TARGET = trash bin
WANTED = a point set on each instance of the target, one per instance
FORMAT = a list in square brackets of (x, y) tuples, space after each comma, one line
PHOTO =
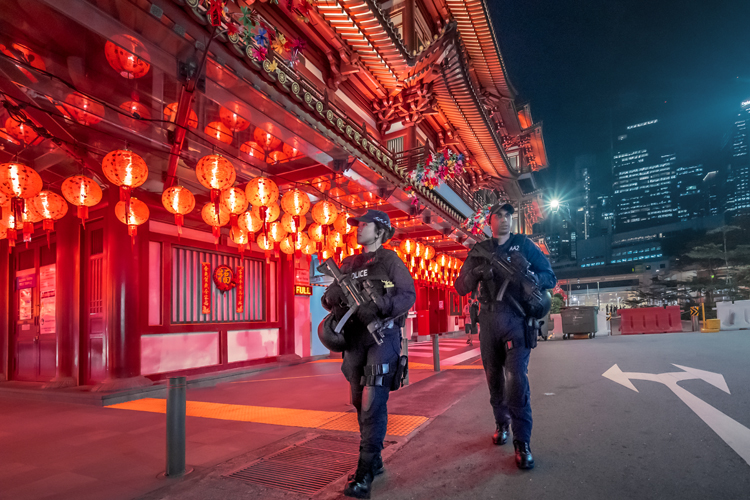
[(579, 320)]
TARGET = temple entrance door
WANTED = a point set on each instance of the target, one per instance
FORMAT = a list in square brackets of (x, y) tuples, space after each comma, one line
[(33, 305), (94, 345)]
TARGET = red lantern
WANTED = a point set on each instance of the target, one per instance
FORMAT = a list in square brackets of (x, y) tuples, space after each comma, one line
[(275, 157), (127, 56), (170, 114), (20, 131), (179, 201), (261, 193), (83, 110), (26, 56), (215, 219), (51, 207), (429, 252), (407, 246), (81, 192), (336, 193), (266, 244), (290, 152), (287, 245), (335, 240), (138, 111), (231, 118), (253, 149), (215, 173), (266, 140), (272, 213), (125, 169), (322, 184), (8, 221), (241, 238), (324, 212), (235, 202), (132, 213), (250, 223), (341, 223), (220, 132), (19, 181)]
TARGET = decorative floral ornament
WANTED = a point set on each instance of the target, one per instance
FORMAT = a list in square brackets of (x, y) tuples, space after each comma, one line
[(476, 223), (438, 168)]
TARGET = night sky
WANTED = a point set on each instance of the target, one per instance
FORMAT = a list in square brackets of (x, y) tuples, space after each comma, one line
[(585, 65)]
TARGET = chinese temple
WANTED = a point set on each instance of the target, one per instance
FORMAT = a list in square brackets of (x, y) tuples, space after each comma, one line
[(172, 171)]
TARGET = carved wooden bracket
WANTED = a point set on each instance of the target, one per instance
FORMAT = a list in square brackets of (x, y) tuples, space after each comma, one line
[(410, 106)]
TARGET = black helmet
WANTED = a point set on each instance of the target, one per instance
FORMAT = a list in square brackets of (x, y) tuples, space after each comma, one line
[(331, 340)]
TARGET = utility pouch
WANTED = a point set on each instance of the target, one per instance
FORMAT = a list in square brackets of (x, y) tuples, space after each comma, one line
[(402, 369), (532, 330)]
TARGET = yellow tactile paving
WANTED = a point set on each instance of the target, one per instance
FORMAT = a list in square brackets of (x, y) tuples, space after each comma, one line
[(398, 425)]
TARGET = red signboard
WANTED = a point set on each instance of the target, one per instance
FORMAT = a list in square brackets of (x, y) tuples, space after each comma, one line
[(240, 281), (205, 287)]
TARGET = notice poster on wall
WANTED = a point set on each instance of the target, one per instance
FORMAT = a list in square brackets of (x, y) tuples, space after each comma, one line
[(206, 287), (24, 304), (47, 275)]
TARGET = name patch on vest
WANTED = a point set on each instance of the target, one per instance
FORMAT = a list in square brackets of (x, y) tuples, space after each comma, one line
[(515, 248), (359, 274)]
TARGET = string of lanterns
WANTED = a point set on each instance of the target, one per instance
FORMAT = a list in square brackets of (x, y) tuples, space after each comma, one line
[(425, 266)]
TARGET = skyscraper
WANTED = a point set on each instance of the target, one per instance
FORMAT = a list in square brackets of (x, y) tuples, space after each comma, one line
[(690, 192), (643, 168), (738, 179)]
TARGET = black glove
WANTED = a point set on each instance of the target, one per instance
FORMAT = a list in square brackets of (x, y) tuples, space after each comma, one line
[(367, 313), (333, 297), (383, 302), (482, 272)]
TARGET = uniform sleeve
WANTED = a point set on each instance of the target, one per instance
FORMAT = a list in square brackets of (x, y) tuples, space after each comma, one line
[(540, 266), (334, 296), (404, 294), (466, 281)]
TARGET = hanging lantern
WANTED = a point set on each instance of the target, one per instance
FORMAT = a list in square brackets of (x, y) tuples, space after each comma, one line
[(316, 232), (29, 217), (266, 140), (287, 245), (215, 219), (276, 231), (272, 213), (351, 240), (20, 131), (217, 174), (418, 249), (322, 184), (262, 192), (8, 221), (83, 110), (253, 149), (25, 55), (324, 212), (309, 248), (370, 198), (231, 119), (51, 207), (266, 244), (132, 213), (296, 204), (275, 157), (337, 193), (341, 223), (179, 201), (235, 202), (241, 238), (429, 252), (250, 223), (325, 254), (125, 169), (170, 114), (302, 241), (335, 240), (19, 181), (219, 131), (290, 225), (81, 192), (139, 112), (290, 152), (407, 246), (127, 56)]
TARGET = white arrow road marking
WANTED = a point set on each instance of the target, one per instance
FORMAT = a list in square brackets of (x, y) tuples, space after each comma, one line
[(736, 435)]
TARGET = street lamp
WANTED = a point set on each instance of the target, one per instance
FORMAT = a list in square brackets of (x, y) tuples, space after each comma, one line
[(554, 204)]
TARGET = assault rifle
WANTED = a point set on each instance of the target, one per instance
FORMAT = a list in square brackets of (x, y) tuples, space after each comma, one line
[(536, 301), (356, 296)]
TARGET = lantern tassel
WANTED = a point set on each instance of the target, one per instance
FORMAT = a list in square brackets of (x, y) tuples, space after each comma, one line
[(216, 232), (132, 231), (179, 219), (83, 214)]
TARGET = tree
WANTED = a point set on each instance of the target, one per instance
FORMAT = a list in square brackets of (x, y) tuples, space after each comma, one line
[(557, 303)]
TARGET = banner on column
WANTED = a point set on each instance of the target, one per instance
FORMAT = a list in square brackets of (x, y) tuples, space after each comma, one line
[(206, 287), (239, 279)]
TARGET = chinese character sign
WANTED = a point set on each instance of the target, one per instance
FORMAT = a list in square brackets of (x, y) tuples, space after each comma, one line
[(240, 281), (205, 287)]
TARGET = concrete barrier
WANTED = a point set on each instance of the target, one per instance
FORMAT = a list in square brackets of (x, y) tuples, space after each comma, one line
[(734, 315), (603, 326), (650, 320), (557, 327)]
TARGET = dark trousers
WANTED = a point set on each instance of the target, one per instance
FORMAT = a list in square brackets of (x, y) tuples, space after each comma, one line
[(371, 400), (506, 367)]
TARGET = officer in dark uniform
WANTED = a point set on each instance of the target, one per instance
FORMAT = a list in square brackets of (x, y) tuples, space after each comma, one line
[(504, 345), (370, 367)]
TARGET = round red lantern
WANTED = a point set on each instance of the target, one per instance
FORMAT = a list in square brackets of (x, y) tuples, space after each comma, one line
[(290, 152), (324, 212), (235, 202), (292, 224), (231, 118), (262, 191), (336, 193), (179, 201), (81, 192), (341, 223), (220, 132), (266, 140), (275, 157), (83, 110), (132, 213), (170, 114), (322, 184), (240, 238), (20, 131), (250, 223), (335, 240), (215, 219), (253, 149), (19, 181), (127, 56), (276, 231), (295, 202), (309, 248), (29, 217), (428, 253), (407, 246), (125, 169), (316, 232), (26, 56), (140, 115), (51, 207), (272, 213), (265, 243), (215, 173), (287, 245)]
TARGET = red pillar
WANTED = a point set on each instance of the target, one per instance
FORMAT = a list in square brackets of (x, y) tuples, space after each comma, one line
[(4, 309), (122, 308), (67, 300), (286, 305)]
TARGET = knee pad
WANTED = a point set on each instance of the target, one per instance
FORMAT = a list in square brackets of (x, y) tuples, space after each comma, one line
[(377, 375)]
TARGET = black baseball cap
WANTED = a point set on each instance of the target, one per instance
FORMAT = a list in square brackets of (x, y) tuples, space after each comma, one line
[(506, 206), (371, 216)]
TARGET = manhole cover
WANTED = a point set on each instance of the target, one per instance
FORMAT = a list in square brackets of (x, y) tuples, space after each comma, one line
[(305, 467)]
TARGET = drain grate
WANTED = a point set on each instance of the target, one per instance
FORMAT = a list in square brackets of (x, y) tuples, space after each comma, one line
[(305, 467)]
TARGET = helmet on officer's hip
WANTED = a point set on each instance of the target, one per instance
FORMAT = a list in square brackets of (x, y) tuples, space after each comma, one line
[(331, 340)]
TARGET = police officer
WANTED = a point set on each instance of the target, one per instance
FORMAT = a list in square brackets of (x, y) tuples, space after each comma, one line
[(504, 346), (370, 367)]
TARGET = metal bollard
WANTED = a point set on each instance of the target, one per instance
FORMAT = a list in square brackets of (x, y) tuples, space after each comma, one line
[(435, 352), (176, 408), (405, 352)]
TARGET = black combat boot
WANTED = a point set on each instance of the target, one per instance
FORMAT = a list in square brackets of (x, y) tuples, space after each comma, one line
[(359, 486), (524, 460), (377, 465), (501, 435)]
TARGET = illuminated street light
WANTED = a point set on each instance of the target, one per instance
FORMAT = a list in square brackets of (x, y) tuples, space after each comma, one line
[(554, 204)]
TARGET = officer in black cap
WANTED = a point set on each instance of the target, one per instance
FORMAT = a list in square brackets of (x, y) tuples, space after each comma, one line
[(368, 366), (504, 345)]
